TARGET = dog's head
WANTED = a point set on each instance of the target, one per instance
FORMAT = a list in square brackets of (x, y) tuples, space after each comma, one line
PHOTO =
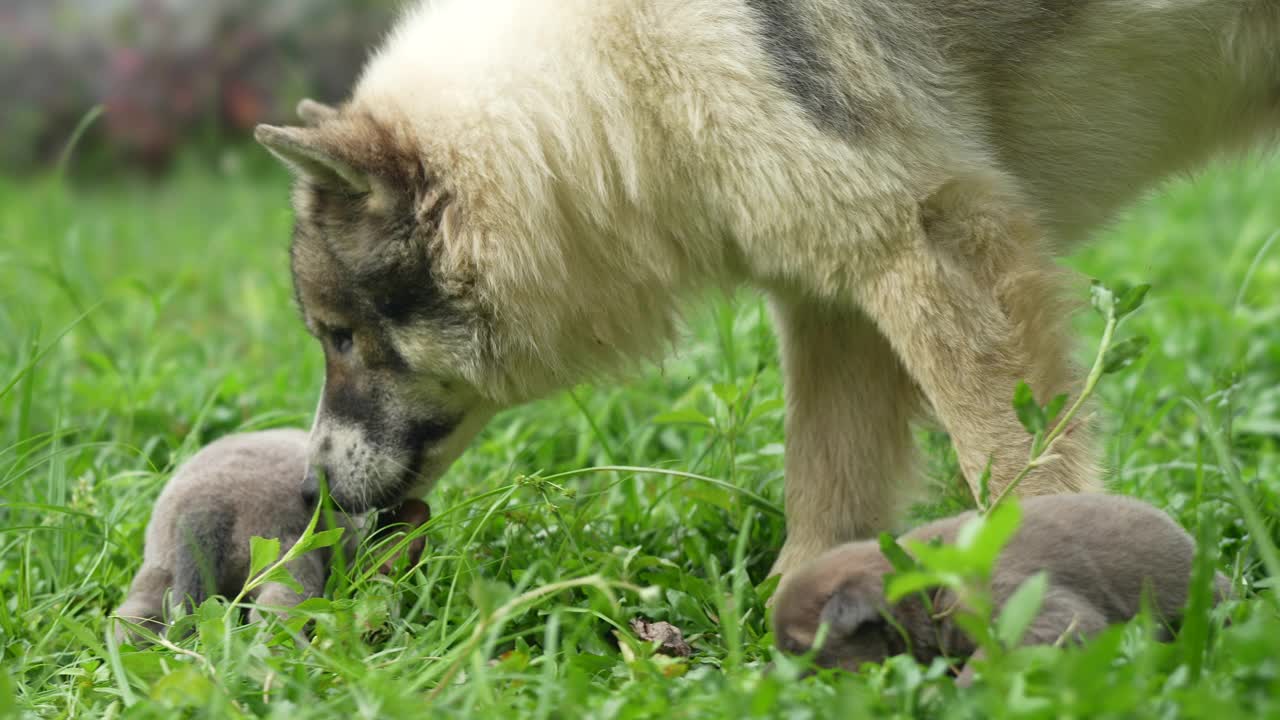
[(843, 590), (452, 265), (403, 335)]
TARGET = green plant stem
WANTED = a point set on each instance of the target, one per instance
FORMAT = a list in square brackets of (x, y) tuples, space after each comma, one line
[(285, 557), (1060, 427)]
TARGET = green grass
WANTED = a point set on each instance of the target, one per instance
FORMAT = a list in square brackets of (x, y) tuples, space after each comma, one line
[(139, 322)]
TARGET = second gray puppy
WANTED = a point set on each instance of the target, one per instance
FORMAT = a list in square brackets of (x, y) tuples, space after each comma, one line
[(197, 543), (1101, 553)]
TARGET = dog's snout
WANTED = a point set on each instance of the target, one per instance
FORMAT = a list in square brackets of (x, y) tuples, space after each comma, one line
[(311, 486)]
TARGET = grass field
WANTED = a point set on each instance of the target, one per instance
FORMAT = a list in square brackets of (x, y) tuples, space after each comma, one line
[(138, 322)]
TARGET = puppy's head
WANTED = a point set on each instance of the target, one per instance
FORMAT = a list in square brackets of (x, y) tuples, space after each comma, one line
[(392, 307), (844, 590)]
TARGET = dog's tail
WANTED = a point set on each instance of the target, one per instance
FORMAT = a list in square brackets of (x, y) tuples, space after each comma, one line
[(200, 563)]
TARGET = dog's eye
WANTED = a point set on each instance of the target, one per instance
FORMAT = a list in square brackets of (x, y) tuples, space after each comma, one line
[(341, 340)]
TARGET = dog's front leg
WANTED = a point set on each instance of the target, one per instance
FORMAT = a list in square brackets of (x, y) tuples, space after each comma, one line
[(968, 302), (848, 440)]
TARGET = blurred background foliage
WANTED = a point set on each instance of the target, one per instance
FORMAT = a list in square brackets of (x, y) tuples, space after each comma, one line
[(169, 75)]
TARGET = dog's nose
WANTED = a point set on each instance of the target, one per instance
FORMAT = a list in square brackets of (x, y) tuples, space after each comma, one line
[(311, 486)]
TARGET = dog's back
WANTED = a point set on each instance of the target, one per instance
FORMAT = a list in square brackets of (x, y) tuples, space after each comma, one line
[(236, 487), (1086, 104), (1107, 548)]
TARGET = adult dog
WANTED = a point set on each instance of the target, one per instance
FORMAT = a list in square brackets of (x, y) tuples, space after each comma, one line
[(520, 194)]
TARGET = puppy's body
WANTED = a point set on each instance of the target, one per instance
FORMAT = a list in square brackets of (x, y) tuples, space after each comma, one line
[(197, 542), (521, 194), (1101, 553)]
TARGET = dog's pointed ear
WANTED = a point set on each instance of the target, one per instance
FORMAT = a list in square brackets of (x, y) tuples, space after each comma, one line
[(313, 113), (304, 151)]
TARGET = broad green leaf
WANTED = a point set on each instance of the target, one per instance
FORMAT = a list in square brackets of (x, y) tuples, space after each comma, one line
[(764, 408), (211, 623), (903, 584), (1020, 704), (489, 595), (1029, 413), (82, 633), (183, 688), (1123, 354), (324, 538), (767, 588), (990, 532), (974, 619), (941, 558), (316, 605), (1130, 299), (1021, 609), (1054, 407), (282, 576), (687, 416), (968, 531), (727, 392), (262, 553), (710, 495), (984, 487), (893, 552)]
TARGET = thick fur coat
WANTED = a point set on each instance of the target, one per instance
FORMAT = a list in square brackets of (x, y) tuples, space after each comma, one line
[(521, 195)]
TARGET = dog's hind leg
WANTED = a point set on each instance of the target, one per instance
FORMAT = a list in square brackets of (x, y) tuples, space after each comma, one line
[(849, 452), (969, 305), (201, 558)]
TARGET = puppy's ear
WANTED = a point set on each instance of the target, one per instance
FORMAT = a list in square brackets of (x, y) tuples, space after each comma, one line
[(855, 616), (313, 113), (850, 607), (306, 152)]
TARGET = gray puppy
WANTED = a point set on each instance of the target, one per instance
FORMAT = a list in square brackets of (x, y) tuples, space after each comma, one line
[(1101, 552), (238, 487)]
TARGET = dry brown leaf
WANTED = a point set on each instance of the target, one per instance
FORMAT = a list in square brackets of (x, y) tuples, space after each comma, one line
[(670, 637)]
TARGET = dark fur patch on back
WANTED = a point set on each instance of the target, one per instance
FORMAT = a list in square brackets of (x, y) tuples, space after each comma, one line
[(200, 566), (995, 38), (792, 45)]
